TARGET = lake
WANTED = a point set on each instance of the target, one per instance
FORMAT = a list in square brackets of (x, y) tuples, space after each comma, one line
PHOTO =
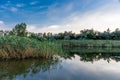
[(73, 66)]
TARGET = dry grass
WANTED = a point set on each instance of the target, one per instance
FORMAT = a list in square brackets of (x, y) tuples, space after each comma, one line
[(13, 47)]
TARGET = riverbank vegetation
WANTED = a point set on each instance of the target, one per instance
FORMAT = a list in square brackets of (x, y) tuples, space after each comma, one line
[(91, 43), (19, 43), (15, 47), (86, 34)]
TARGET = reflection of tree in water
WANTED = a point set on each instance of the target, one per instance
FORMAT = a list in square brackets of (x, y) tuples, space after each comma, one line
[(88, 54), (11, 69), (91, 57)]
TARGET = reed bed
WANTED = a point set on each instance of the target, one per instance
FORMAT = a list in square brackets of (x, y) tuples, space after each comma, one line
[(14, 47), (92, 43)]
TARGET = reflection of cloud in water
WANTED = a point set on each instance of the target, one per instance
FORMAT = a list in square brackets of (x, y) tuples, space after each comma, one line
[(75, 67), (25, 69), (99, 70)]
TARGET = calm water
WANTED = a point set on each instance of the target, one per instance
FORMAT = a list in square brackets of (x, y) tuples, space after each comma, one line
[(75, 66)]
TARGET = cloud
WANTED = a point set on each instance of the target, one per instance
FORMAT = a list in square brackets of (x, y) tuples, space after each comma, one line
[(63, 17), (1, 23), (31, 28), (41, 7), (3, 26), (57, 11), (33, 3), (9, 8), (107, 16), (36, 29), (19, 5), (3, 7), (13, 9), (98, 19)]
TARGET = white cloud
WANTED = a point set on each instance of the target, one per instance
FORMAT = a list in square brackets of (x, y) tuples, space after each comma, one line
[(33, 3), (106, 16), (99, 19), (20, 5), (56, 11), (1, 23), (43, 7), (4, 26), (13, 9), (3, 7), (31, 28), (51, 28)]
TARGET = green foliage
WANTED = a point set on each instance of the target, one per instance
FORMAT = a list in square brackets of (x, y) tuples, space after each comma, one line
[(86, 34), (19, 30), (23, 47), (92, 43)]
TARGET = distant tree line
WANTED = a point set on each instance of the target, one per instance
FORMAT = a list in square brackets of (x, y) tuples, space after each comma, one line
[(20, 30)]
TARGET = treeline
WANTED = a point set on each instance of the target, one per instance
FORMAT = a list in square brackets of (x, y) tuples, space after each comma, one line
[(20, 30)]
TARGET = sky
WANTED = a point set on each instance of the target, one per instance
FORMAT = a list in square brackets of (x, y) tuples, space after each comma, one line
[(60, 15)]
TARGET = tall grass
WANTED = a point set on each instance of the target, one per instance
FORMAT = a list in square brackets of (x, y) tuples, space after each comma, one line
[(14, 47), (92, 43)]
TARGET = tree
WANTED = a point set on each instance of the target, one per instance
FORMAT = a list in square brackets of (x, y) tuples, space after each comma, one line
[(88, 34), (1, 33), (20, 30), (116, 34), (32, 35)]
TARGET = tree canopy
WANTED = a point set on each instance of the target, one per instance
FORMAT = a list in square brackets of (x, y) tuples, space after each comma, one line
[(20, 30)]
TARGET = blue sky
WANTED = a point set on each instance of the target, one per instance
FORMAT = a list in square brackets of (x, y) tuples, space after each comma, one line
[(60, 15)]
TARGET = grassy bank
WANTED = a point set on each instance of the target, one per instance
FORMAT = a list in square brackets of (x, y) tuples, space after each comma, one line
[(92, 43), (14, 47), (90, 46)]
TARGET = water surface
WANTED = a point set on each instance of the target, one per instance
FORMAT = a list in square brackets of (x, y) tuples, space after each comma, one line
[(74, 66)]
